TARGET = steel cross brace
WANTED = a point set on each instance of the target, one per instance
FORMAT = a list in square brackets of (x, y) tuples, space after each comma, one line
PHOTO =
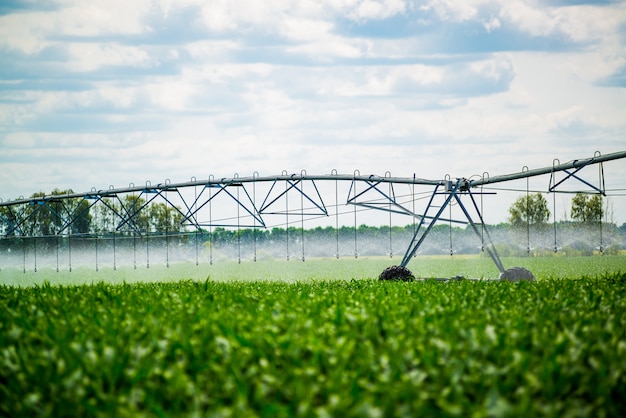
[(101, 198), (599, 189), (39, 203), (386, 206), (64, 221), (191, 215), (454, 191), (389, 197), (127, 213), (15, 221), (74, 215), (297, 184), (133, 211)]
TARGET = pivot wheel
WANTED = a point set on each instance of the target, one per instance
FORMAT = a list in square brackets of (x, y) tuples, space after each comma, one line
[(517, 274), (397, 273)]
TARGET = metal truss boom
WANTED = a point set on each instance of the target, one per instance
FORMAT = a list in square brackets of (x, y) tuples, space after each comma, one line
[(234, 181), (577, 164), (257, 197)]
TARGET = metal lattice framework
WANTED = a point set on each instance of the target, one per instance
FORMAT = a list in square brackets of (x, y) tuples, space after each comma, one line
[(252, 202)]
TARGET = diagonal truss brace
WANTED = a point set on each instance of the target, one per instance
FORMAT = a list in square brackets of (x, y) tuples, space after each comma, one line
[(16, 220), (75, 214), (294, 184), (222, 188), (388, 202), (131, 212), (573, 174), (40, 203), (454, 191)]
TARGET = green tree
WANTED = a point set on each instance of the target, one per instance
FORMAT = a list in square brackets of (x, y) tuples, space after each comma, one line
[(165, 218), (529, 210), (104, 217), (7, 221), (587, 209), (133, 209), (82, 217)]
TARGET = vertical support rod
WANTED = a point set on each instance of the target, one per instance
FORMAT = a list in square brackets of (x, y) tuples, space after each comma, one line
[(450, 229), (287, 216), (69, 249), (210, 225), (195, 208), (114, 253), (603, 193), (552, 190), (238, 229), (57, 248), (413, 200), (96, 251), (167, 229), (390, 223), (255, 174), (302, 214), (356, 252), (525, 168), (336, 214)]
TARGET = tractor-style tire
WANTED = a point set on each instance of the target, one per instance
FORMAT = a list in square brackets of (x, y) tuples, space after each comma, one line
[(516, 274), (397, 273)]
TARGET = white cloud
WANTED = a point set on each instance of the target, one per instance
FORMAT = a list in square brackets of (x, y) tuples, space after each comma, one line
[(170, 95), (211, 51), (370, 9), (587, 23), (534, 20), (330, 48), (92, 56), (304, 29), (219, 16), (22, 33), (495, 68), (580, 23), (492, 24), (185, 89), (29, 32), (101, 17), (450, 10), (118, 97)]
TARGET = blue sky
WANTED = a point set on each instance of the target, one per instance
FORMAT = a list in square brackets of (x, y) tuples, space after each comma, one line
[(113, 92)]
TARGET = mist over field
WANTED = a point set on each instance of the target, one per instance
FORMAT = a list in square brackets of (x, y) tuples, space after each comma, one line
[(64, 253)]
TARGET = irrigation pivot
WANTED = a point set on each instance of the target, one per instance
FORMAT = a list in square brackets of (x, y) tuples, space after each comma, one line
[(453, 190), (198, 207)]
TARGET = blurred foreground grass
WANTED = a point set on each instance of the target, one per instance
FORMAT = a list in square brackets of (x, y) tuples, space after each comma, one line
[(344, 348)]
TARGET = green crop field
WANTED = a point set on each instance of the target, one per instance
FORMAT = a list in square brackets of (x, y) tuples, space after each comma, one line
[(344, 268), (316, 339)]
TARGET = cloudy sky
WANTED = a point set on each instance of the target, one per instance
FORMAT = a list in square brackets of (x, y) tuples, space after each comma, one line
[(111, 92)]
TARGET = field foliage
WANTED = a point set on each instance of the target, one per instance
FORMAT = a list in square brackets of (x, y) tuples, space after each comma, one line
[(555, 347)]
